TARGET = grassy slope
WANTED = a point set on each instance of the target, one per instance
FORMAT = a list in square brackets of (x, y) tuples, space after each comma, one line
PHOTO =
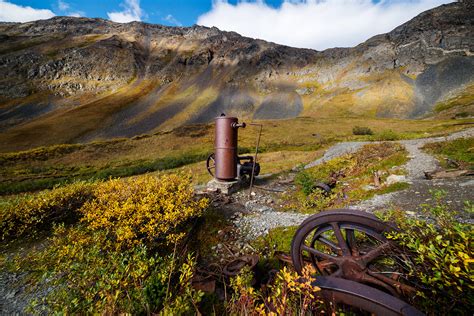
[(284, 144)]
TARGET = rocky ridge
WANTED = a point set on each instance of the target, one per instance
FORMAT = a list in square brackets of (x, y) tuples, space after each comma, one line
[(119, 80)]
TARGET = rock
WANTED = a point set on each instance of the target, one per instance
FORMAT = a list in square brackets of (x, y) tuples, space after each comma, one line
[(369, 187), (393, 178)]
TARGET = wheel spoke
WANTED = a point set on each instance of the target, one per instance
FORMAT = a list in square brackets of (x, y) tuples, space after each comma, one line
[(367, 278), (329, 243), (324, 264), (318, 253), (342, 242), (399, 287), (374, 253), (351, 240)]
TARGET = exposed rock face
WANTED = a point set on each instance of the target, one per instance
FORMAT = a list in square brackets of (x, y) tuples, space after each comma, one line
[(108, 79)]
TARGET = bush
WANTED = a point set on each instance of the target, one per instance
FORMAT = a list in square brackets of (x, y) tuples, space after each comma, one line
[(116, 259), (387, 135), (28, 214), (441, 248), (361, 130), (142, 209), (288, 294)]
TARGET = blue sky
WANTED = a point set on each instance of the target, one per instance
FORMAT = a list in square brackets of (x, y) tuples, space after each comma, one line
[(316, 24), (185, 12)]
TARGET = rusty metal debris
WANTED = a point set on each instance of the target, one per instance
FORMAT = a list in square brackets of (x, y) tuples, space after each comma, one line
[(235, 266), (337, 292), (348, 244)]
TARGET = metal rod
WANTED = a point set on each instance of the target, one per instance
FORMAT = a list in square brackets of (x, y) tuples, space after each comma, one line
[(255, 159)]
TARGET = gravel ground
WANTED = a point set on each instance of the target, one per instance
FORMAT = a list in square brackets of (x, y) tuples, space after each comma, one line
[(262, 218)]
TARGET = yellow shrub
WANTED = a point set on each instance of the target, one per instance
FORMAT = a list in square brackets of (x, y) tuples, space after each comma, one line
[(142, 208), (26, 214)]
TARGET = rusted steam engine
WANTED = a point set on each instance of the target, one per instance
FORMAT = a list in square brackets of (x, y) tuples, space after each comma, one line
[(225, 164)]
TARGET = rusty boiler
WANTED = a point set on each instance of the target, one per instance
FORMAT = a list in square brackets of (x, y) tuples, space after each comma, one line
[(225, 147)]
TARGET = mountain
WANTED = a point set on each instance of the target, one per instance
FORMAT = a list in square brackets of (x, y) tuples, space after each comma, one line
[(67, 80)]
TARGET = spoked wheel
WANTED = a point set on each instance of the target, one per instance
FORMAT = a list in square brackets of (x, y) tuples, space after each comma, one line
[(211, 164), (342, 293), (350, 244)]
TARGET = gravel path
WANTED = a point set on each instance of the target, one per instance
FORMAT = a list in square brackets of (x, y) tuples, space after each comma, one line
[(458, 189), (337, 150), (260, 218)]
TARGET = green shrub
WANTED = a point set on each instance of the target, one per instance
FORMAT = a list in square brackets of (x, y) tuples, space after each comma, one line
[(361, 130), (460, 150), (387, 135), (288, 294), (441, 250)]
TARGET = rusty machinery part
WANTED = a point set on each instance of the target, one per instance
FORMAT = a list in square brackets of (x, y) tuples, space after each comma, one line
[(233, 268), (246, 166), (326, 189), (350, 244), (225, 147), (211, 164), (341, 293)]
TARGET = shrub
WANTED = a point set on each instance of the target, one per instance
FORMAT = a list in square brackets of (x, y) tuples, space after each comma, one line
[(387, 135), (87, 278), (288, 294), (442, 255), (28, 214), (114, 260), (361, 130), (356, 170), (142, 209)]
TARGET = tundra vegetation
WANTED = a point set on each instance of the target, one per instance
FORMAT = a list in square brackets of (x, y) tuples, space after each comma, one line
[(129, 242)]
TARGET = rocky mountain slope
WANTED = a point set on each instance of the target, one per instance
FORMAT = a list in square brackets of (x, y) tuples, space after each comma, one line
[(70, 79)]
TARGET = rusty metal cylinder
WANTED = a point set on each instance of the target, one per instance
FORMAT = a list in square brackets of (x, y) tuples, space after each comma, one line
[(225, 147)]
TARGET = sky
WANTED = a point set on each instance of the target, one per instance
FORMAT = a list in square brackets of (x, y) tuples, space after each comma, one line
[(316, 24)]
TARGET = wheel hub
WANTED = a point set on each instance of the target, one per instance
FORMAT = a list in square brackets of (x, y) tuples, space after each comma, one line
[(352, 269)]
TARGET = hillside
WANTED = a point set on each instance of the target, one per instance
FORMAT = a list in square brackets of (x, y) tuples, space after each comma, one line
[(71, 80)]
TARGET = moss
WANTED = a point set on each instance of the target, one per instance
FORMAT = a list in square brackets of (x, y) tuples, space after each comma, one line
[(277, 239)]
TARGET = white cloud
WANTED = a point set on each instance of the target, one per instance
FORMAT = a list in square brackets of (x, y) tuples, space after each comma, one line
[(317, 24), (171, 19), (65, 9), (131, 12), (10, 12), (76, 14), (63, 6)]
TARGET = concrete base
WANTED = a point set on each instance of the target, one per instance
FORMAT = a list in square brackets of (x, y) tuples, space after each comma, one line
[(227, 187)]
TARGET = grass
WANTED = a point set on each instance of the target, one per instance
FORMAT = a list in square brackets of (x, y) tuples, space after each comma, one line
[(284, 145), (277, 240), (460, 150), (125, 170), (353, 175)]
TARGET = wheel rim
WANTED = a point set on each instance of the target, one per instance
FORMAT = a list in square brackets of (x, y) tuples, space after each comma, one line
[(211, 164), (338, 292), (350, 244)]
